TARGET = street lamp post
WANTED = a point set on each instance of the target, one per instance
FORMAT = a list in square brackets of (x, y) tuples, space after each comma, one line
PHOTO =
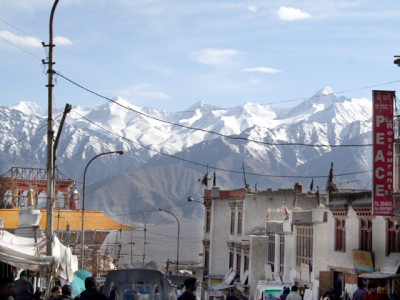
[(83, 202), (177, 248), (190, 199)]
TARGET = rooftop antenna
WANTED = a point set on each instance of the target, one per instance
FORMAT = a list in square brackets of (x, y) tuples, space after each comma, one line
[(244, 175)]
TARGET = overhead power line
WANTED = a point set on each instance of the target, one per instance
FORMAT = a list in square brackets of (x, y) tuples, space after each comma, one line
[(20, 30), (30, 134), (205, 130), (340, 92), (20, 48), (23, 32)]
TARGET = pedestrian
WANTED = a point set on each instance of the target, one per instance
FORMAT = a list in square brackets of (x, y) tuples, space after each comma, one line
[(66, 292), (294, 295), (91, 292), (23, 287), (38, 294), (230, 296), (6, 288), (55, 292), (337, 289), (360, 292), (326, 296), (113, 293), (384, 295), (285, 293), (372, 292), (190, 288)]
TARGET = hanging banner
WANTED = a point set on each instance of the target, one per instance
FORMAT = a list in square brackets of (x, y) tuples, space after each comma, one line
[(382, 128)]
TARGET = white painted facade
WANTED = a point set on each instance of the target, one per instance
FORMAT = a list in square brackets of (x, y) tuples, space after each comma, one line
[(263, 216), (257, 209)]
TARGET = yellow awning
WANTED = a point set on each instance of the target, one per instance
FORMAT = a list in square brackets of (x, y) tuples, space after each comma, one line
[(95, 220)]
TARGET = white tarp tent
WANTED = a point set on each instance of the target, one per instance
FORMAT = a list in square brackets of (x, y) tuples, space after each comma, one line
[(29, 264), (24, 253)]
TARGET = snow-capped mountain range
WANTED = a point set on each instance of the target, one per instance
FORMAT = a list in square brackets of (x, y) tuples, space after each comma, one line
[(165, 153)]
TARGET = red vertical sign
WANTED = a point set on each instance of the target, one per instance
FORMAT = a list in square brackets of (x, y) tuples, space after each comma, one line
[(383, 152)]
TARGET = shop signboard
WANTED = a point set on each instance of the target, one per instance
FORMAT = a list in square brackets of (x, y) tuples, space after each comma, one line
[(383, 135), (363, 261), (305, 272)]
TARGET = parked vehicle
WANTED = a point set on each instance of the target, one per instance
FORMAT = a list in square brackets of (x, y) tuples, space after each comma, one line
[(267, 290), (139, 284)]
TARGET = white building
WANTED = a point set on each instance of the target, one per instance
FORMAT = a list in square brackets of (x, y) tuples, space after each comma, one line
[(360, 245), (245, 231)]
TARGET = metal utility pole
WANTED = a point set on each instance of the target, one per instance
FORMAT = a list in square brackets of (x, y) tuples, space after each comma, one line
[(145, 242), (83, 203), (177, 247), (50, 136)]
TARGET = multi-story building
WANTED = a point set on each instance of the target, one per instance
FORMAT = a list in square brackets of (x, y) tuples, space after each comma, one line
[(326, 242), (246, 231), (360, 245)]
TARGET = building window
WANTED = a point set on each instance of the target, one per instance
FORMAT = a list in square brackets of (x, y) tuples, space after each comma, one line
[(340, 234), (206, 258), (238, 261), (232, 222), (366, 234), (271, 251), (208, 220), (231, 255), (246, 263), (393, 236), (281, 253), (304, 242), (239, 229)]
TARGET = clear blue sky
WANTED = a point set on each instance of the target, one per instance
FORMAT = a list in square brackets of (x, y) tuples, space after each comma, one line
[(170, 54)]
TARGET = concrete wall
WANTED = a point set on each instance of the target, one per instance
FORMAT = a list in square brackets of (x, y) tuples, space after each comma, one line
[(338, 258), (219, 236), (379, 242), (254, 212), (345, 259), (257, 260), (321, 254), (290, 257)]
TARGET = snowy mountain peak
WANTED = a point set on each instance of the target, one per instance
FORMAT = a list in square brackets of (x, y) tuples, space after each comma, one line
[(324, 92), (327, 119), (201, 105), (29, 108)]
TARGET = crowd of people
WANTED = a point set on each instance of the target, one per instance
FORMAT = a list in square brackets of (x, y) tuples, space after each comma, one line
[(22, 289), (372, 292), (290, 294)]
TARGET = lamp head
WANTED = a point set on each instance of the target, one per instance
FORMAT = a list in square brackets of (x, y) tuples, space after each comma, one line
[(160, 209), (397, 60), (120, 152), (189, 199)]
